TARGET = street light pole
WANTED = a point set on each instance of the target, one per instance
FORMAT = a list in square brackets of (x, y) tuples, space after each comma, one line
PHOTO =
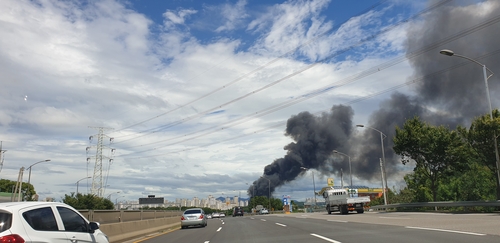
[(109, 196), (350, 168), (79, 181), (269, 197), (486, 77), (384, 175), (29, 177), (314, 186), (253, 192), (116, 201)]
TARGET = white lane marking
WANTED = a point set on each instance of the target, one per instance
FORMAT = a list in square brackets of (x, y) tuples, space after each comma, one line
[(340, 221), (393, 218), (207, 241), (443, 230), (324, 238), (219, 229), (281, 224), (252, 218), (262, 220)]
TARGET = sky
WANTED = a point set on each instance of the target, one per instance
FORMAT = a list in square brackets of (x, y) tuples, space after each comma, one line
[(198, 98)]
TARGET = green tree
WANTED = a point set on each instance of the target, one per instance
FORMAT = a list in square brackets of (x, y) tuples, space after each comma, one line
[(87, 201), (276, 204), (434, 149), (480, 137), (258, 200), (419, 185), (27, 190)]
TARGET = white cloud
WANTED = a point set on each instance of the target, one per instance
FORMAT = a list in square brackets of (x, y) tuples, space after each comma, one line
[(286, 26), (103, 64), (234, 14), (177, 17)]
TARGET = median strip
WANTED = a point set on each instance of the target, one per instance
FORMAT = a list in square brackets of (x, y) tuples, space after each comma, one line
[(449, 231), (324, 238)]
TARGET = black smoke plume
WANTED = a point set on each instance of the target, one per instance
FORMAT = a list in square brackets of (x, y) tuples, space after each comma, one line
[(453, 97), (315, 137)]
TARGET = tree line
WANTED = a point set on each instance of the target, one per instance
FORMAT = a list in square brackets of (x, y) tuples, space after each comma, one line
[(449, 164)]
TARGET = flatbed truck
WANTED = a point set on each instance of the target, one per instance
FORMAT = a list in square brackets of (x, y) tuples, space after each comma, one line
[(340, 200)]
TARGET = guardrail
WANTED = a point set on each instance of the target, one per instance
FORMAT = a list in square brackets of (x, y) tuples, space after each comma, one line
[(439, 204)]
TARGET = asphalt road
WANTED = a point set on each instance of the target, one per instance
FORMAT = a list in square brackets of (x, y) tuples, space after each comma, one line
[(321, 227)]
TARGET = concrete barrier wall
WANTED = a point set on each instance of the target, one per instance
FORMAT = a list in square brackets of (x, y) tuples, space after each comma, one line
[(117, 216), (127, 230), (127, 224)]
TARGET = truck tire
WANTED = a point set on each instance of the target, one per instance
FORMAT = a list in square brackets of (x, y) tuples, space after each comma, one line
[(343, 209), (362, 210), (328, 209)]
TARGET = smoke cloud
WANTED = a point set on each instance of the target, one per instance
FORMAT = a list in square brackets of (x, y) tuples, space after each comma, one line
[(451, 98)]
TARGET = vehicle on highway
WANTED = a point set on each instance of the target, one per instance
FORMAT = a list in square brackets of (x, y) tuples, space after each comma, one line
[(340, 200), (193, 217), (46, 222), (215, 215), (237, 211), (264, 211), (222, 215), (209, 216)]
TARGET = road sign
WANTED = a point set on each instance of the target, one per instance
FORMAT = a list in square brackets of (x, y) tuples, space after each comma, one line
[(330, 181)]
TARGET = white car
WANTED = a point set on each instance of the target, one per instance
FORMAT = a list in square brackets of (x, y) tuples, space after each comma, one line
[(46, 222), (264, 211)]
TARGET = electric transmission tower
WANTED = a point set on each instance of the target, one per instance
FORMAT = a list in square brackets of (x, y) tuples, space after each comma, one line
[(97, 179)]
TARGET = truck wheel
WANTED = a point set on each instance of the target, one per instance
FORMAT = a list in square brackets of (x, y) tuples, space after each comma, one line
[(343, 209), (360, 210), (328, 209)]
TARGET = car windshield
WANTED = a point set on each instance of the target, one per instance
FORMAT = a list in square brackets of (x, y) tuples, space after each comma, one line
[(192, 212)]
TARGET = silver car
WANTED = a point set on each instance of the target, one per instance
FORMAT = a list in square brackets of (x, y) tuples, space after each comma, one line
[(193, 217)]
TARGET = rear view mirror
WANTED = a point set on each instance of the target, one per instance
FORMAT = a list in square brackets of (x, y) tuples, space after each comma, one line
[(93, 226)]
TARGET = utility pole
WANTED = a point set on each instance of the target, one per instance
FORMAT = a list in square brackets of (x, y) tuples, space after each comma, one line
[(1, 156), (19, 185), (97, 181)]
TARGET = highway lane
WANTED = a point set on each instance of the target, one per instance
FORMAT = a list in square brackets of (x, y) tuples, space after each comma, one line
[(315, 228)]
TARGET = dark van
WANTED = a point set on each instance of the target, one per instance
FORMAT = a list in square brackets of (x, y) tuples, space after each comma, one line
[(237, 211)]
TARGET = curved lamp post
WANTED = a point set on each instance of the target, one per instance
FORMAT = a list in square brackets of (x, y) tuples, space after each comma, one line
[(350, 170), (450, 53), (109, 196), (79, 181), (269, 197), (314, 186), (29, 177), (253, 193), (384, 177)]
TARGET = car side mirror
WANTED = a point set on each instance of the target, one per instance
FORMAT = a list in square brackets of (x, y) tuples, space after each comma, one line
[(93, 226)]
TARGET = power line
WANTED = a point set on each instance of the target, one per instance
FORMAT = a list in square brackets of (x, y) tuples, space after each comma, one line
[(337, 53), (328, 87), (249, 73), (282, 123)]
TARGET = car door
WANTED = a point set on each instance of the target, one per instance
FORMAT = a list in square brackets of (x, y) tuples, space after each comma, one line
[(41, 225), (75, 226)]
